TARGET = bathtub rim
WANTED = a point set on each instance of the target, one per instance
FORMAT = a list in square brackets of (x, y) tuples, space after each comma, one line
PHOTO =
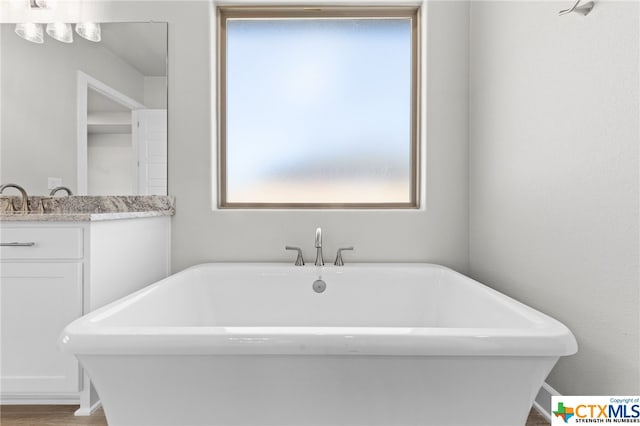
[(86, 336)]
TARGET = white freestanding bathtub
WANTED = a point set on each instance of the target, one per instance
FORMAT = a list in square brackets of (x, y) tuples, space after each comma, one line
[(254, 344)]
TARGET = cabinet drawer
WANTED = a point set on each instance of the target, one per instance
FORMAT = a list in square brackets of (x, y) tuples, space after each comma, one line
[(41, 243)]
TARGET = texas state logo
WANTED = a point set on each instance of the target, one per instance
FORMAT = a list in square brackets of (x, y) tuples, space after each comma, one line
[(565, 413), (595, 409)]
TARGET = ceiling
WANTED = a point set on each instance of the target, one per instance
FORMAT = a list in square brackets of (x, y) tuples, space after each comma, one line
[(143, 45), (97, 102)]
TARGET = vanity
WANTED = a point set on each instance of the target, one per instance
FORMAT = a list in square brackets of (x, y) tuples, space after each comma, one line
[(81, 254)]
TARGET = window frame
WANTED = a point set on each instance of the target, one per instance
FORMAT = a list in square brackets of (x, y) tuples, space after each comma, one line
[(225, 13)]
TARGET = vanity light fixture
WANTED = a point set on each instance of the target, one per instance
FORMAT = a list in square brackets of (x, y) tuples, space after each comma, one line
[(30, 31), (63, 32)]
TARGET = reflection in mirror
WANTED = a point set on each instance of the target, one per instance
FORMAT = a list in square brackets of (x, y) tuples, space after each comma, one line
[(109, 146), (90, 116)]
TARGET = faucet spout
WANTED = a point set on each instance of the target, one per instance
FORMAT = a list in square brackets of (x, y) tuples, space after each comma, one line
[(318, 245), (24, 202), (60, 188)]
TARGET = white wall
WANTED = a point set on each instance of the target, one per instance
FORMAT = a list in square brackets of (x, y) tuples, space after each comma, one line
[(155, 92), (38, 105), (554, 176), (110, 164)]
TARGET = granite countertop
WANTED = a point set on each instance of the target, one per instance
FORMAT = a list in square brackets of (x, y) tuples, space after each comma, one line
[(88, 208)]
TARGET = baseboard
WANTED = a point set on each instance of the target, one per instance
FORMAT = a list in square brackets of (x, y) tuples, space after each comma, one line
[(87, 411), (542, 403)]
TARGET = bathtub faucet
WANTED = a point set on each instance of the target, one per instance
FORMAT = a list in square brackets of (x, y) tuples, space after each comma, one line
[(318, 245)]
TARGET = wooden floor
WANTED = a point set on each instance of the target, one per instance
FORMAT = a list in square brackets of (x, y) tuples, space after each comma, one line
[(62, 415)]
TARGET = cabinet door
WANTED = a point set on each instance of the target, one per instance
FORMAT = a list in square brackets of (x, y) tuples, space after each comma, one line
[(38, 299)]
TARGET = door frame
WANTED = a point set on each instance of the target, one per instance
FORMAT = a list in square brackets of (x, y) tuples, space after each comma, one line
[(84, 83)]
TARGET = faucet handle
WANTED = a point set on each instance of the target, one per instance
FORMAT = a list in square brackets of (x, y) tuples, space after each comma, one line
[(40, 207), (299, 259), (339, 261)]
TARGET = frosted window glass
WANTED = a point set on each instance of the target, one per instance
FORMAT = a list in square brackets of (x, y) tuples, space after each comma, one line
[(318, 111)]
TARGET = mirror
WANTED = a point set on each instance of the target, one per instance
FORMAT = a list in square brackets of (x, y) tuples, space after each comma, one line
[(89, 116)]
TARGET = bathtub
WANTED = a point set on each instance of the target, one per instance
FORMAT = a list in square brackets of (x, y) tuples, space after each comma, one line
[(255, 344)]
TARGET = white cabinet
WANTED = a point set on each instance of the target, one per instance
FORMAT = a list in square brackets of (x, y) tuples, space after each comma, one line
[(59, 271), (37, 300), (40, 292)]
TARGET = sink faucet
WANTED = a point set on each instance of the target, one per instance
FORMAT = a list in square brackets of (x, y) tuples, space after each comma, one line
[(318, 245), (24, 204), (60, 188)]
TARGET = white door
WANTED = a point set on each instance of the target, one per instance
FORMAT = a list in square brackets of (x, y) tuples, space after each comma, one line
[(150, 142), (38, 300)]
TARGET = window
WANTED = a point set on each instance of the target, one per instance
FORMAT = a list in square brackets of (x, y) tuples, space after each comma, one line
[(318, 107)]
